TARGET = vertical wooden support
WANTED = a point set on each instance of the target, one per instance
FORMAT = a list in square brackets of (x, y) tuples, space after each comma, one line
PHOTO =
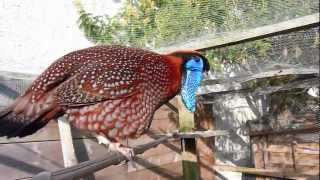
[(205, 146), (69, 156), (259, 153), (189, 158)]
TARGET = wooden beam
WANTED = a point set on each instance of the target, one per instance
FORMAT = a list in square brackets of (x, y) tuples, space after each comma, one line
[(240, 84), (299, 84), (68, 152), (262, 75), (307, 129), (189, 158), (236, 37), (265, 172), (172, 107), (186, 119), (205, 146), (202, 134)]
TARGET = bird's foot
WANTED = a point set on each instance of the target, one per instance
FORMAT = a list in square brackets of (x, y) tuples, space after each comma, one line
[(126, 151), (103, 140)]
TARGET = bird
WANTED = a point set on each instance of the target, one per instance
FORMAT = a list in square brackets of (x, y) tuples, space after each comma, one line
[(111, 91)]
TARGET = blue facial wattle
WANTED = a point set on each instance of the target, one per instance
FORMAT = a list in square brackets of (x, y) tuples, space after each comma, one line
[(192, 78)]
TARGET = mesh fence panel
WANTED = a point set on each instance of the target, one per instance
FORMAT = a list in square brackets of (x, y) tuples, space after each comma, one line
[(299, 49), (155, 24)]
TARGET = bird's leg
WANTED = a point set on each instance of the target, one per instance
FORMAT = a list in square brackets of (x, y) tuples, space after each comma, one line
[(126, 151), (103, 140), (131, 162)]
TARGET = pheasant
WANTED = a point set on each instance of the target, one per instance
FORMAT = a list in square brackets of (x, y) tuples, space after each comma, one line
[(111, 91)]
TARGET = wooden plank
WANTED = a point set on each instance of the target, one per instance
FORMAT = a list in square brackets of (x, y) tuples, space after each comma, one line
[(28, 159), (285, 153), (154, 161), (281, 160), (166, 124), (205, 146), (274, 148), (237, 37), (306, 129), (290, 138), (162, 113), (163, 172), (298, 84), (68, 151), (259, 144), (172, 107), (189, 158), (308, 170), (186, 118), (265, 172), (238, 84), (169, 146), (307, 160), (307, 156), (307, 148)]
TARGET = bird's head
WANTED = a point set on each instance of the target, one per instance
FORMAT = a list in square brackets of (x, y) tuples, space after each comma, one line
[(194, 65)]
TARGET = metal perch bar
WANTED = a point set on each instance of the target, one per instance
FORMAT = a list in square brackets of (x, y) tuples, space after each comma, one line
[(113, 158), (86, 168)]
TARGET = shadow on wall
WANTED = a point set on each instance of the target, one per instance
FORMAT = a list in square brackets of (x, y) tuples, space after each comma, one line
[(21, 165), (231, 112)]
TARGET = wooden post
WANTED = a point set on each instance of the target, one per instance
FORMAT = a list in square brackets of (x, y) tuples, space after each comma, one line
[(205, 146), (69, 156), (189, 158)]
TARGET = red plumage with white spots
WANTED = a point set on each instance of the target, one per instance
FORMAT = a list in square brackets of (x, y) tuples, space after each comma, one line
[(112, 91)]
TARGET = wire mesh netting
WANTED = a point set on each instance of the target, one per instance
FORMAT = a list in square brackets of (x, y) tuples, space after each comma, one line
[(271, 83), (299, 49), (283, 68), (155, 24)]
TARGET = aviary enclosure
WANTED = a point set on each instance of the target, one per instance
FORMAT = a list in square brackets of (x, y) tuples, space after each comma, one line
[(257, 115)]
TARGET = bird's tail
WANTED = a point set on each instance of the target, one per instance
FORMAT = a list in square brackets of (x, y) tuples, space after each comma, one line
[(24, 118)]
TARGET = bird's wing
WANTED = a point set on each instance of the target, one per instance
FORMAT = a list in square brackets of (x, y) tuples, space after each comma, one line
[(96, 82)]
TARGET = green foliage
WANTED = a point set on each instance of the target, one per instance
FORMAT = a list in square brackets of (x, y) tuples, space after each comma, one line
[(97, 29), (237, 54), (156, 23)]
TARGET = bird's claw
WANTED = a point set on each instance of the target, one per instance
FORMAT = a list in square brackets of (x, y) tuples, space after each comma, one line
[(126, 151)]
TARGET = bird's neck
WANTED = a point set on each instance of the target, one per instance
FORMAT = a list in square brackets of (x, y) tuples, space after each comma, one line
[(175, 64)]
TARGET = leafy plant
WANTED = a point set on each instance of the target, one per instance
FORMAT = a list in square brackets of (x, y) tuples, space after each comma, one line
[(156, 23)]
